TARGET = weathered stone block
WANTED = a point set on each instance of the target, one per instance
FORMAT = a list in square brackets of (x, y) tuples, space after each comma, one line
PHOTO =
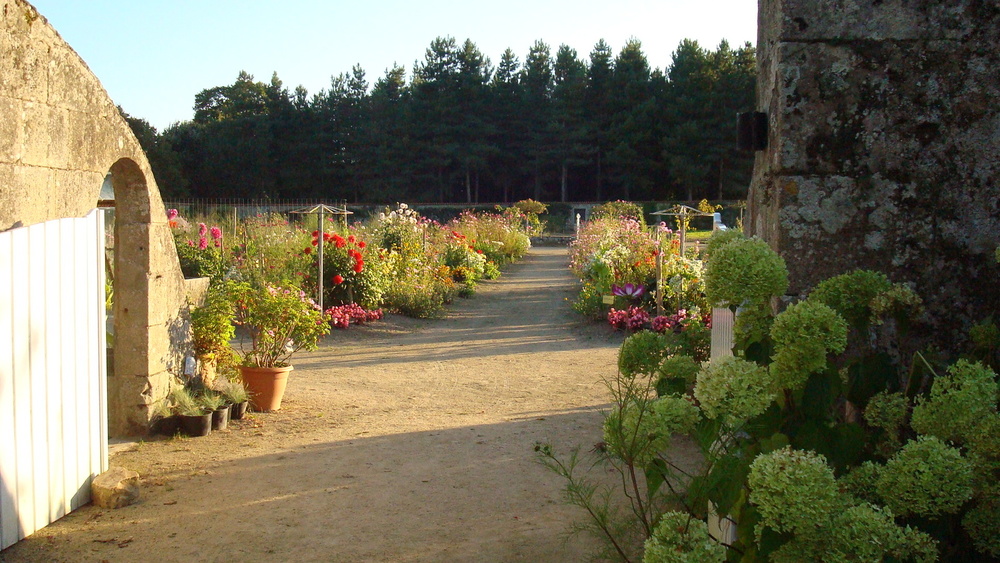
[(196, 291), (115, 488), (896, 20), (884, 148), (11, 130), (22, 67)]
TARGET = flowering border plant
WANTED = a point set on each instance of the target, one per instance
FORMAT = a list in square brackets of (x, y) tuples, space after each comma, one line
[(279, 321)]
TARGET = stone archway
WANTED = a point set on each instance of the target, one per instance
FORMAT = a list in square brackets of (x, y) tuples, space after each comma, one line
[(60, 134), (150, 330)]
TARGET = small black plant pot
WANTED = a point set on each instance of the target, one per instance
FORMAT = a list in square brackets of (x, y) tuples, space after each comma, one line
[(167, 425), (196, 425), (220, 418), (238, 410)]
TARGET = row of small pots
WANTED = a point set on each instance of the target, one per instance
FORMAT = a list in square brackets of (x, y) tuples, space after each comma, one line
[(201, 424)]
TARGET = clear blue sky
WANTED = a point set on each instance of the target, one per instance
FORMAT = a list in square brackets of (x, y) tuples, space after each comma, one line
[(153, 56)]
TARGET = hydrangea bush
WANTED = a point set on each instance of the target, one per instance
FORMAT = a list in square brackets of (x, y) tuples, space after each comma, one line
[(820, 440)]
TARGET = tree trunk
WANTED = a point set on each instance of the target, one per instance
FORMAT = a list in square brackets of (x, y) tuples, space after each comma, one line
[(722, 163), (477, 187), (599, 177), (563, 189), (468, 185)]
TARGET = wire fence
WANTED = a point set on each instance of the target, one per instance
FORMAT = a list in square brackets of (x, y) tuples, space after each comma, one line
[(560, 217)]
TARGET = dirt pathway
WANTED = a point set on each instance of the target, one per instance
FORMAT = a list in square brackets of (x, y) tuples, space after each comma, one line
[(404, 440)]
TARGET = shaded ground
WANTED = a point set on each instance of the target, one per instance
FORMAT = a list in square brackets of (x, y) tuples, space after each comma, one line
[(404, 440)]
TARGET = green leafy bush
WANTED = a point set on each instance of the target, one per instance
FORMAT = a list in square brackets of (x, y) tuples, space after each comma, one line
[(926, 477), (733, 389), (679, 538), (793, 491), (851, 294), (744, 271), (958, 403), (641, 353), (804, 334), (618, 210)]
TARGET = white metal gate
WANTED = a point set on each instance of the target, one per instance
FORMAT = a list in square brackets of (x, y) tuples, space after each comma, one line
[(53, 399)]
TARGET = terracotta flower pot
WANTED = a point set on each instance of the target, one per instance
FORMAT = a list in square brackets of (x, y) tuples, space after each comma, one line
[(266, 386)]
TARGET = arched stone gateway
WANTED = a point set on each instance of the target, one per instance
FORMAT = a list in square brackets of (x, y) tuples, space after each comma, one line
[(884, 147), (60, 134)]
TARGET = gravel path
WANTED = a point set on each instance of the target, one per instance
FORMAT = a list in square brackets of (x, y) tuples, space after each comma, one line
[(404, 440)]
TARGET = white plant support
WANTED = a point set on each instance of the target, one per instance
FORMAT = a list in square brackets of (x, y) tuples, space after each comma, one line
[(722, 332), (722, 529)]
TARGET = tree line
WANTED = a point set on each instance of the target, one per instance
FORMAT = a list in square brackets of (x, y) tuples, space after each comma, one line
[(552, 128)]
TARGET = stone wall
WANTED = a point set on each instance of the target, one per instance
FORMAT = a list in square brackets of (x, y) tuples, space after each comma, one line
[(60, 134), (884, 147)]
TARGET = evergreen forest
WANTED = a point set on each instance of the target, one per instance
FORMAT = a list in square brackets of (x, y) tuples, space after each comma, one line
[(459, 129)]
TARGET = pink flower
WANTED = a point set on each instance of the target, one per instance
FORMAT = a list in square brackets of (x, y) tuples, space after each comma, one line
[(202, 229), (202, 243), (171, 214), (628, 290), (216, 233)]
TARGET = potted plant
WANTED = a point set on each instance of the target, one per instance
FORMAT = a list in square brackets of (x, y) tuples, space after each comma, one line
[(195, 418), (216, 404), (235, 394), (164, 421), (279, 321), (211, 331)]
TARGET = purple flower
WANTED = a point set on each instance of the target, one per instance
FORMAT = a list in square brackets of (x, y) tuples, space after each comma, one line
[(628, 290)]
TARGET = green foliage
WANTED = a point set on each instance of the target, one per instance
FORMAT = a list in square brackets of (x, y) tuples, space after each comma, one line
[(888, 411), (753, 328), (184, 402), (744, 271), (899, 301), (981, 524), (793, 490), (491, 271), (927, 477), (212, 325), (804, 334), (232, 390), (684, 283), (958, 403), (211, 401), (676, 375), (617, 210), (862, 482), (638, 431), (641, 353), (273, 252), (422, 299), (985, 337), (279, 320), (679, 538), (868, 533), (722, 238), (851, 294), (733, 389)]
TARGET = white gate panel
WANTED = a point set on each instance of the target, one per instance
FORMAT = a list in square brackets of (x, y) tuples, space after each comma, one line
[(53, 406)]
